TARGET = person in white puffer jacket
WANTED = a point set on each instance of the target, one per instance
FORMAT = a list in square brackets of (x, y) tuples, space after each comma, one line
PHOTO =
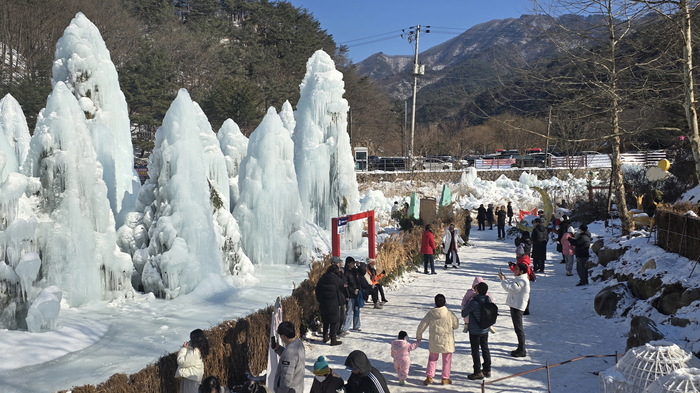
[(190, 366), (518, 289), (442, 323)]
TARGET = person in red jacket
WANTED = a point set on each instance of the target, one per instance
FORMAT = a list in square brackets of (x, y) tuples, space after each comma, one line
[(427, 248)]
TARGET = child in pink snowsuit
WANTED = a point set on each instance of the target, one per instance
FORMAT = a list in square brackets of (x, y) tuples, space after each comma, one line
[(400, 350), (471, 292)]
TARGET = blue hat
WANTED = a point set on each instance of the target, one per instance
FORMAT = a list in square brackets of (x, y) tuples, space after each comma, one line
[(321, 366)]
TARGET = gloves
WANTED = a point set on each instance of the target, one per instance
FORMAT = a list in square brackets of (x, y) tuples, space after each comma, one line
[(383, 271)]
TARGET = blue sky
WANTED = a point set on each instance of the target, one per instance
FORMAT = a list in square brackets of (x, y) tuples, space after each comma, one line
[(351, 22)]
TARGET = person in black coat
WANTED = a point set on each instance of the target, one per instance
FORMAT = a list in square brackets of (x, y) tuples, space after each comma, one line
[(481, 217), (364, 377), (510, 214), (467, 227), (539, 246), (582, 242), (330, 293), (501, 223), (352, 311), (524, 240), (490, 218)]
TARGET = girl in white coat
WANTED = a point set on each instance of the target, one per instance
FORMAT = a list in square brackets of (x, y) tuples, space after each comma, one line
[(450, 241), (190, 366)]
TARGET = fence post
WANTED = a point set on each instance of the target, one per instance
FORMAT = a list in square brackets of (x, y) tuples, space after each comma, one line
[(483, 386), (549, 384)]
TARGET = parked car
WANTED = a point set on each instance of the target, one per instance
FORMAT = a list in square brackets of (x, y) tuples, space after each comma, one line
[(390, 164), (434, 164), (540, 160)]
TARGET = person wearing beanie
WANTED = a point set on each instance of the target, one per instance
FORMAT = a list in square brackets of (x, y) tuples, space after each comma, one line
[(518, 289), (568, 249), (364, 377), (442, 323), (325, 380), (582, 242)]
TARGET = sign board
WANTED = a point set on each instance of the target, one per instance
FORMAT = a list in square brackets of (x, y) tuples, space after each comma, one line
[(342, 221)]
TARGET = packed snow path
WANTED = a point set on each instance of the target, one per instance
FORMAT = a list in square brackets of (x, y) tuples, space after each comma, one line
[(562, 325)]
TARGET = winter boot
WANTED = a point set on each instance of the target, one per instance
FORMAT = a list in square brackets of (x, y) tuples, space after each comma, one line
[(474, 376), (428, 381), (334, 341), (446, 381), (325, 337)]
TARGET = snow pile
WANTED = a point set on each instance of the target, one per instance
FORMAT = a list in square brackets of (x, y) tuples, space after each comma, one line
[(83, 63), (269, 208), (234, 146), (683, 380), (323, 158), (14, 137), (642, 365), (184, 232), (287, 116), (43, 313)]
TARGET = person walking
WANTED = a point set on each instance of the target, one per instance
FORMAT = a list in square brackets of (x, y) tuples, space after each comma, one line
[(467, 226), (481, 217), (490, 218), (568, 250), (478, 336), (427, 248), (345, 294), (518, 290), (450, 241), (510, 214), (441, 323), (289, 377), (401, 353), (501, 222), (363, 378), (582, 242), (564, 226), (539, 245), (330, 294)]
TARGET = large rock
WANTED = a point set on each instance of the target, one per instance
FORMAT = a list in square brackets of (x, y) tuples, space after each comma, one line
[(608, 300), (690, 295), (670, 300), (606, 255), (642, 331), (644, 287), (650, 264), (597, 246)]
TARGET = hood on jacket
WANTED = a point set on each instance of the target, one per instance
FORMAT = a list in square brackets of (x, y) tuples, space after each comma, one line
[(439, 312), (477, 280), (357, 360)]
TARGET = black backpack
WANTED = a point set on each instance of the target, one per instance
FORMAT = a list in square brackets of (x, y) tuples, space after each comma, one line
[(489, 313)]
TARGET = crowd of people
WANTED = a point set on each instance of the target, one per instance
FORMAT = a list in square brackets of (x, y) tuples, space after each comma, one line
[(342, 291)]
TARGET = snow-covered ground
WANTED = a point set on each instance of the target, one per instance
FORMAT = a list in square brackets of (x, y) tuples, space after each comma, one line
[(95, 342)]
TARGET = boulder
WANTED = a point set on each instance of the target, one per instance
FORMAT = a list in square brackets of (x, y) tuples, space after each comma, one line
[(608, 273), (597, 246), (668, 303), (690, 295), (680, 322), (650, 264), (644, 287), (606, 255), (642, 330), (608, 300)]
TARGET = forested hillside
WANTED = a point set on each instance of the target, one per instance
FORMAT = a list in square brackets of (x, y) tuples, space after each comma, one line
[(235, 57)]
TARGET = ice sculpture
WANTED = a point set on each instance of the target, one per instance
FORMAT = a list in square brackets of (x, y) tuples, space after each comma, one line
[(642, 365), (83, 63), (14, 136), (287, 116), (269, 209), (78, 240), (185, 231), (214, 162), (683, 380), (322, 155), (43, 313), (234, 146)]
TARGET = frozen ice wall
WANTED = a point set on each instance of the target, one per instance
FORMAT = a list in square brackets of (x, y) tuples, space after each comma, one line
[(185, 243), (322, 155), (78, 241), (83, 63), (214, 162), (269, 208), (234, 146), (14, 136), (287, 116)]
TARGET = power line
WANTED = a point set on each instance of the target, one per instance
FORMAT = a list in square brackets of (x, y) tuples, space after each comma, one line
[(373, 36)]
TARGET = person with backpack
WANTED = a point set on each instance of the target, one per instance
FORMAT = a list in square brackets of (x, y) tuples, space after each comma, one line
[(518, 289), (479, 323), (442, 323)]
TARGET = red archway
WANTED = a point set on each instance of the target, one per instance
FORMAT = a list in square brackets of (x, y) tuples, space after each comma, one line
[(340, 222)]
